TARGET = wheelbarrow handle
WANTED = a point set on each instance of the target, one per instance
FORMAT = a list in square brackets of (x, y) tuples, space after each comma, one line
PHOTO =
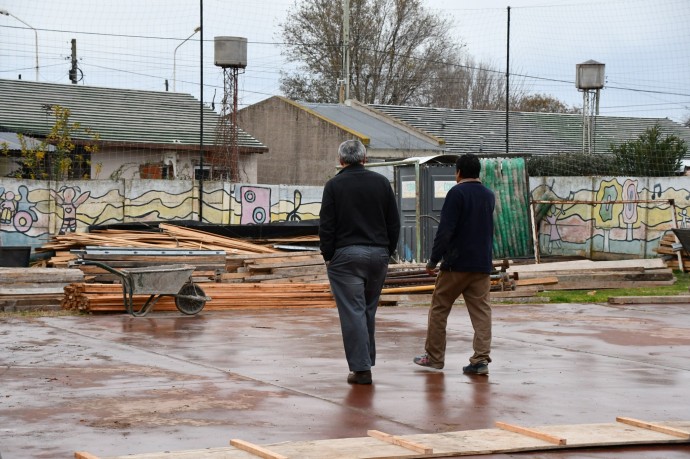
[(102, 265)]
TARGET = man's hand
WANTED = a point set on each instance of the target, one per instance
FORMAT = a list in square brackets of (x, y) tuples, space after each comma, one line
[(431, 270)]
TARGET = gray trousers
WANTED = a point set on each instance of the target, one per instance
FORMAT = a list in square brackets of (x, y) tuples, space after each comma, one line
[(356, 274)]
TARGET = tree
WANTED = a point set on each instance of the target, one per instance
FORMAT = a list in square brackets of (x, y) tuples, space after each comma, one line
[(396, 47), (543, 103), (400, 55), (467, 84), (650, 155), (571, 165), (57, 156)]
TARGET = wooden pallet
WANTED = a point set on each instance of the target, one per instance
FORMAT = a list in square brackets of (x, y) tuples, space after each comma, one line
[(503, 439)]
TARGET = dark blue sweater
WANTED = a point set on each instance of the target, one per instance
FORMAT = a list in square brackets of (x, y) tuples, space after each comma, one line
[(464, 239)]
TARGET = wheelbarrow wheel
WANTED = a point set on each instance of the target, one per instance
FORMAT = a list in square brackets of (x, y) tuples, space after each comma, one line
[(188, 305)]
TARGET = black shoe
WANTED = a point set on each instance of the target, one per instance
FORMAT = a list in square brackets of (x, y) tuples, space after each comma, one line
[(481, 368), (359, 377)]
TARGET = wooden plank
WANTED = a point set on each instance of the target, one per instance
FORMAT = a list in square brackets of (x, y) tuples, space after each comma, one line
[(39, 275), (588, 264), (602, 284), (395, 440), (285, 264), (531, 433), (655, 427), (537, 281), (669, 299), (84, 455), (410, 289), (256, 450), (34, 290)]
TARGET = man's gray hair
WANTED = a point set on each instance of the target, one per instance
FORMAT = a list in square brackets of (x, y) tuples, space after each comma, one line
[(352, 152)]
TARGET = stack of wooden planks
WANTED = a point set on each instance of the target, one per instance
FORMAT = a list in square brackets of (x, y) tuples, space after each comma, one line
[(593, 275), (108, 298), (281, 267), (668, 250), (169, 237), (34, 288)]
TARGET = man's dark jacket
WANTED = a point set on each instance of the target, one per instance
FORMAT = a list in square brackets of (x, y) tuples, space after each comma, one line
[(464, 239), (358, 208)]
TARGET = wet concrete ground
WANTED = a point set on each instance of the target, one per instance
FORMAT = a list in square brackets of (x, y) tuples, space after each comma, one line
[(115, 385)]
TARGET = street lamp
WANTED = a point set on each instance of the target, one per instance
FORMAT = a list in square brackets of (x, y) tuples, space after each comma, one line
[(175, 53), (7, 13)]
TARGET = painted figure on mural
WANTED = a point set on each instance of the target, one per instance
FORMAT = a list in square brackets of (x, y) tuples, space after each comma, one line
[(8, 206), (684, 219), (68, 200), (553, 234)]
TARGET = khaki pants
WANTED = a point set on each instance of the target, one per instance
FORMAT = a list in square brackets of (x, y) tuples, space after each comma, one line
[(474, 288)]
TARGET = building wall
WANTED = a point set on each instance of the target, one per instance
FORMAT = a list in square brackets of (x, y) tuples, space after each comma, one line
[(302, 147), (33, 210), (119, 163), (582, 217), (587, 219)]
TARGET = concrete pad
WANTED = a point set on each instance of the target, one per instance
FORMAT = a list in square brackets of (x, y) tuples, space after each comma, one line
[(115, 385)]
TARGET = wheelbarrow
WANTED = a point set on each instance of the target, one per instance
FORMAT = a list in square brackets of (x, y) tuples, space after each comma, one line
[(158, 281)]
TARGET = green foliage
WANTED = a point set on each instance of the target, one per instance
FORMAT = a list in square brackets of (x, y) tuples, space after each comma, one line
[(571, 165), (650, 155), (66, 160)]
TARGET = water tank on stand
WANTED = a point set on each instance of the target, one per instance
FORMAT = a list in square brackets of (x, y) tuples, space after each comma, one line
[(230, 52)]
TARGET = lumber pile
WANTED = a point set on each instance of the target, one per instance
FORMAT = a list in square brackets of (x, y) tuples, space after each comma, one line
[(668, 249), (169, 236), (34, 288), (279, 267), (594, 275), (108, 298)]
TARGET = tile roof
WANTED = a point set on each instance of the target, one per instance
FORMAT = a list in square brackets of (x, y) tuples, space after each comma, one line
[(530, 132), (122, 116)]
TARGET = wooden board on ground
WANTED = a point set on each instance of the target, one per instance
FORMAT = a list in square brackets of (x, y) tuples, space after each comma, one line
[(576, 265), (669, 299), (453, 444)]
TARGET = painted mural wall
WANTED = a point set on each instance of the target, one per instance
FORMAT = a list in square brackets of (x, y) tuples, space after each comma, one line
[(30, 211), (574, 225)]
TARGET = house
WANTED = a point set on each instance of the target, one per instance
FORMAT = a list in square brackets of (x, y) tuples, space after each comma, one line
[(141, 134), (530, 133), (303, 138)]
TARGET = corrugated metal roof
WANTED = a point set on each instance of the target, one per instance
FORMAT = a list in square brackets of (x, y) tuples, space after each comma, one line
[(530, 133), (117, 115), (383, 135)]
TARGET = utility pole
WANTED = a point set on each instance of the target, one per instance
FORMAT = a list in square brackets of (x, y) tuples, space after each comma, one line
[(508, 84), (73, 69), (346, 47)]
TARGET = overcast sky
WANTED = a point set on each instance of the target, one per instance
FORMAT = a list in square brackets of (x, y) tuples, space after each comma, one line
[(645, 45)]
